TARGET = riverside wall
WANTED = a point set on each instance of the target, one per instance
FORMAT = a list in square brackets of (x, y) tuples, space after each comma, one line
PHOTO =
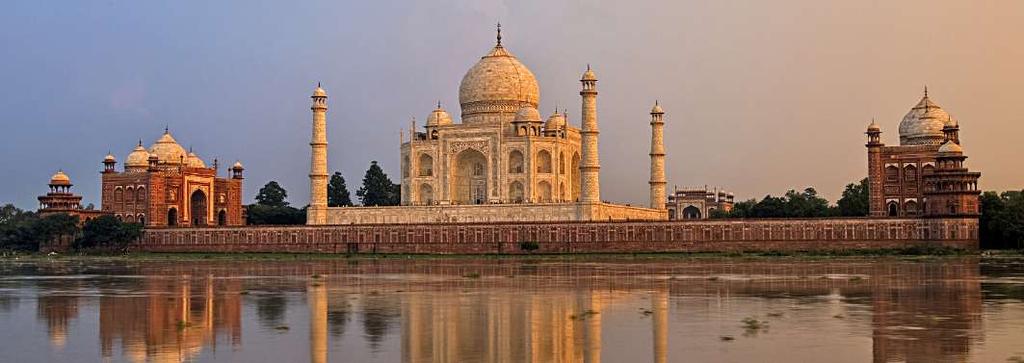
[(574, 237)]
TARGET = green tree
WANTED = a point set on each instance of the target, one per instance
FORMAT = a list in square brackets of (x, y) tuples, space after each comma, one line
[(377, 189), (258, 214), (337, 192), (1002, 220), (806, 204), (854, 202), (272, 195), (26, 231), (108, 233)]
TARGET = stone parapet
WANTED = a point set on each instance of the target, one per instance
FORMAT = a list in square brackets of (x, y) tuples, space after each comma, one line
[(575, 237)]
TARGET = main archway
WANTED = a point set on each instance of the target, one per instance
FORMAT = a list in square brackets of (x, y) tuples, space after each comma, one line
[(198, 208), (470, 179)]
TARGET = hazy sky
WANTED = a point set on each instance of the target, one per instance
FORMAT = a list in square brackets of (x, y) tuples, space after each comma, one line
[(760, 96)]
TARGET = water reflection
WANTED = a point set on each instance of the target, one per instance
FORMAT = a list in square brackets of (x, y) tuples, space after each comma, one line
[(518, 311)]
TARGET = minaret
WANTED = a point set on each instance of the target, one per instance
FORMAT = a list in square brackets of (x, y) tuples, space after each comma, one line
[(657, 158), (876, 201), (317, 213), (590, 167)]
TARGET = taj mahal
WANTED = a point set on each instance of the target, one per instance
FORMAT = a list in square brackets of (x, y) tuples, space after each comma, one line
[(502, 162)]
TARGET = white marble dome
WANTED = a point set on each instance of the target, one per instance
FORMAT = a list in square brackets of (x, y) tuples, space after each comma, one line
[(555, 122), (527, 114), (439, 117), (168, 150), (497, 83), (138, 158), (951, 147), (194, 161), (923, 124)]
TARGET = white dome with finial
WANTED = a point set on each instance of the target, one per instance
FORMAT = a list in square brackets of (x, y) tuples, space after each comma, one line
[(923, 123), (194, 161), (588, 75), (439, 117), (873, 127), (527, 114), (60, 178), (497, 83), (138, 158), (555, 122), (238, 165), (168, 150), (657, 108), (319, 91)]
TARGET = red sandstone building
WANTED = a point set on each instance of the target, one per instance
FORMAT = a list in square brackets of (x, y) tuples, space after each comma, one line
[(925, 174), (60, 199), (166, 186)]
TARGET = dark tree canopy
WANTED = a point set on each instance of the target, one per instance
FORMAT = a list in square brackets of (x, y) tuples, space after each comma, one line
[(377, 189), (108, 233), (258, 214), (854, 202), (26, 231), (272, 195), (337, 192), (1002, 220), (805, 204)]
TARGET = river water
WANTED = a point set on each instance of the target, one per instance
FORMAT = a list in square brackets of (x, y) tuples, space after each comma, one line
[(513, 310)]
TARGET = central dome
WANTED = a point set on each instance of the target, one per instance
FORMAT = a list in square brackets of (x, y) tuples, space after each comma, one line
[(923, 124), (168, 150), (497, 84)]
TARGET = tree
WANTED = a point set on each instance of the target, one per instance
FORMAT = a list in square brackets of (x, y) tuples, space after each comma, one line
[(108, 233), (337, 192), (1002, 220), (377, 189), (854, 202), (258, 214), (272, 195), (26, 231)]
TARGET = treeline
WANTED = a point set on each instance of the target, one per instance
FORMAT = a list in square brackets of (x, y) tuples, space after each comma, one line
[(804, 204), (272, 206), (1002, 220), (26, 231)]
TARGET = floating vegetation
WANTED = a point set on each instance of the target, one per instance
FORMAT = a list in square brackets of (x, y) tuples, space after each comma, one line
[(646, 312), (839, 316), (713, 278), (282, 328), (472, 275), (774, 315), (753, 326), (726, 338), (316, 276), (584, 315)]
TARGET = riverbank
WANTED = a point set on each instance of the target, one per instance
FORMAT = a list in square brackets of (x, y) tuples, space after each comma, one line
[(911, 252)]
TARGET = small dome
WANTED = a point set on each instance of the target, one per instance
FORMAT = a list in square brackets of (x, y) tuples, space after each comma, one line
[(497, 83), (319, 92), (950, 147), (527, 114), (923, 124), (873, 127), (194, 161), (439, 117), (555, 122), (109, 158), (589, 75), (168, 150), (237, 166), (139, 157), (657, 108), (60, 179), (951, 123)]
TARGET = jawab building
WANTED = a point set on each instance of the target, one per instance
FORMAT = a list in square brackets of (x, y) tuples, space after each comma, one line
[(503, 161)]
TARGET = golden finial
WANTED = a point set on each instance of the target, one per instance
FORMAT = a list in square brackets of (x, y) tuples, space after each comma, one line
[(499, 33)]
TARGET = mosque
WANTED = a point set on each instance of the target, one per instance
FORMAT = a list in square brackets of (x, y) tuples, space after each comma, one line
[(925, 174), (167, 186), (502, 162)]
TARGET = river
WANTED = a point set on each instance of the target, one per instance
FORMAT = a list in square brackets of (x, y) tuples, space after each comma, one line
[(559, 309)]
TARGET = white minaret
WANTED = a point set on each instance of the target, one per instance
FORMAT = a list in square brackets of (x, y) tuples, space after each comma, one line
[(590, 167), (657, 157), (317, 212)]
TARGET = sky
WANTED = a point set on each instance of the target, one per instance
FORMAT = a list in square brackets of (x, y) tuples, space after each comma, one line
[(760, 96)]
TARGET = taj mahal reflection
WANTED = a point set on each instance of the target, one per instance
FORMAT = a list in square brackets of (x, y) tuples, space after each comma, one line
[(512, 312)]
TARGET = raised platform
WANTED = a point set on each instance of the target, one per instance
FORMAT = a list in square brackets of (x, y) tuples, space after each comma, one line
[(489, 213), (575, 237)]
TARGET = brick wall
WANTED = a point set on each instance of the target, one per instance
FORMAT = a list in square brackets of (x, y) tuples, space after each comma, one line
[(574, 237)]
